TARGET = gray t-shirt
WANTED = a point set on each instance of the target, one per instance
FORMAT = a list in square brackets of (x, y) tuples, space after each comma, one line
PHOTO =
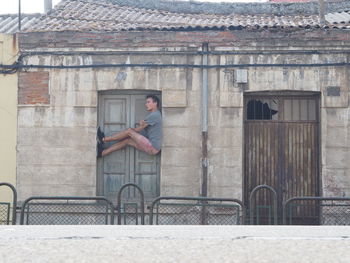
[(154, 130)]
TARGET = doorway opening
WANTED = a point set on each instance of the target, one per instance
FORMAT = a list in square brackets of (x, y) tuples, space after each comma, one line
[(281, 149), (117, 111)]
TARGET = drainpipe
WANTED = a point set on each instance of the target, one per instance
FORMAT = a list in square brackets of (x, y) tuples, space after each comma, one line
[(205, 121), (19, 15), (321, 12), (47, 6)]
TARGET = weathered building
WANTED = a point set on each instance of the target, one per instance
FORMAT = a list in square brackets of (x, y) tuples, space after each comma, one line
[(8, 116), (246, 100), (8, 109)]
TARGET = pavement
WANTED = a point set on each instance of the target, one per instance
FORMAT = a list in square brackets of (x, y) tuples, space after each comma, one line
[(174, 244)]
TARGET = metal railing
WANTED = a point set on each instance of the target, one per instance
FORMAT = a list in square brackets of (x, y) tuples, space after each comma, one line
[(130, 211), (6, 217), (317, 211), (253, 207), (174, 210), (67, 210)]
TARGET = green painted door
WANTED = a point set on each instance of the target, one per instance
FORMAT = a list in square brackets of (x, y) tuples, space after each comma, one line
[(119, 111)]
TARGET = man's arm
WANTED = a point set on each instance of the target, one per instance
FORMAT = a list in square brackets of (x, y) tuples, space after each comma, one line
[(142, 125)]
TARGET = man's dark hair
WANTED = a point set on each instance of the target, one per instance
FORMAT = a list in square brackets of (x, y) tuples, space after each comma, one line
[(155, 99)]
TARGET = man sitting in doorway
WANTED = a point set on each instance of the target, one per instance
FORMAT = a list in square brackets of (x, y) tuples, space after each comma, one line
[(147, 137)]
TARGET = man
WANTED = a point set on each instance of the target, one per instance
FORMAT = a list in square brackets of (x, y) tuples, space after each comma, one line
[(147, 137)]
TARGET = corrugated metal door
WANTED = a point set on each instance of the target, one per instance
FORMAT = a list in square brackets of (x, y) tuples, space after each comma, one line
[(281, 150), (116, 113)]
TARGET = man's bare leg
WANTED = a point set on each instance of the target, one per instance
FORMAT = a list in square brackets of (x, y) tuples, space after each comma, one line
[(119, 136), (119, 145)]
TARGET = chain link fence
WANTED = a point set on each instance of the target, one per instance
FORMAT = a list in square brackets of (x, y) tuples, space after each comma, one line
[(5, 213), (335, 213), (196, 211), (130, 214), (8, 207), (67, 211), (171, 210), (317, 211)]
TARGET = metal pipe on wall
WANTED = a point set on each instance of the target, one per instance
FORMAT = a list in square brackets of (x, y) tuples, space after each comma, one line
[(19, 15), (47, 6), (321, 11), (204, 190)]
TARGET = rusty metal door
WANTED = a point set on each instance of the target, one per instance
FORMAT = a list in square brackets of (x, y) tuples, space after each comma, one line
[(281, 135)]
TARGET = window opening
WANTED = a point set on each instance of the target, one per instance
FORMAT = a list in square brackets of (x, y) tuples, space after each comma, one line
[(262, 109), (299, 110)]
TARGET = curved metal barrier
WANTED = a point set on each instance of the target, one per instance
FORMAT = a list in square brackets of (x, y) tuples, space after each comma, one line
[(308, 210), (5, 207), (67, 210), (130, 209), (253, 194), (197, 211)]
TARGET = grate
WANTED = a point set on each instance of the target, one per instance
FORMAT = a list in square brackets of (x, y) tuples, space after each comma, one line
[(317, 211), (5, 213), (67, 211), (196, 211)]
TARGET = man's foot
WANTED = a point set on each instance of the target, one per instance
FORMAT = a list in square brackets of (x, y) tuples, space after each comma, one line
[(99, 150), (100, 136)]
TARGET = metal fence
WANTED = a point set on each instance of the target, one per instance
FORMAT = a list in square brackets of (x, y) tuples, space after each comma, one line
[(5, 209), (131, 213), (317, 211), (8, 209), (196, 211), (173, 210), (44, 210), (265, 212)]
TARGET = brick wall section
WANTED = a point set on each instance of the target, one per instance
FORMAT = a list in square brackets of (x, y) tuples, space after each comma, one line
[(65, 40), (33, 88)]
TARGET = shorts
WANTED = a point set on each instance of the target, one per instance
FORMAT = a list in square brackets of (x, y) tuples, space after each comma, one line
[(143, 144)]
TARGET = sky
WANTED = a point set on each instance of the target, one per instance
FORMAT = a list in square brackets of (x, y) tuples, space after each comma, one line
[(37, 6), (27, 6)]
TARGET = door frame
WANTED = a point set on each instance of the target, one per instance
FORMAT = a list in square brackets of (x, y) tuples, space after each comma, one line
[(283, 94), (99, 162)]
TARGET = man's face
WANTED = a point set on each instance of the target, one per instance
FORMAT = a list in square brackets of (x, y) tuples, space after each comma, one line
[(150, 104)]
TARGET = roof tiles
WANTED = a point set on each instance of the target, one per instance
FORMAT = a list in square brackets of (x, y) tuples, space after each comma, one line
[(88, 15), (9, 23)]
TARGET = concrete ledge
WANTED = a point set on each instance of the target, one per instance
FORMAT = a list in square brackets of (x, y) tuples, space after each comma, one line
[(174, 244)]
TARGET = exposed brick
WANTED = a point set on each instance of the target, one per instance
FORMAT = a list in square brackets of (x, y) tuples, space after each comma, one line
[(178, 38), (33, 88)]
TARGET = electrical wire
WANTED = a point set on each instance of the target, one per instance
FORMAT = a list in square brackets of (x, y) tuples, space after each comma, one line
[(17, 66), (11, 69)]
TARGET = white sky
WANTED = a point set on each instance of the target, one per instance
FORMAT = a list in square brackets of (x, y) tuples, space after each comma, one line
[(27, 6), (37, 6)]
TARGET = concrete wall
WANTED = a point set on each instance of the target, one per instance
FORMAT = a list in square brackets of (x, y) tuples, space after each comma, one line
[(62, 131), (58, 124), (335, 111), (8, 115)]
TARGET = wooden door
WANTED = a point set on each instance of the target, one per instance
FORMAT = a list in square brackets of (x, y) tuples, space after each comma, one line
[(281, 150), (145, 167), (116, 113)]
